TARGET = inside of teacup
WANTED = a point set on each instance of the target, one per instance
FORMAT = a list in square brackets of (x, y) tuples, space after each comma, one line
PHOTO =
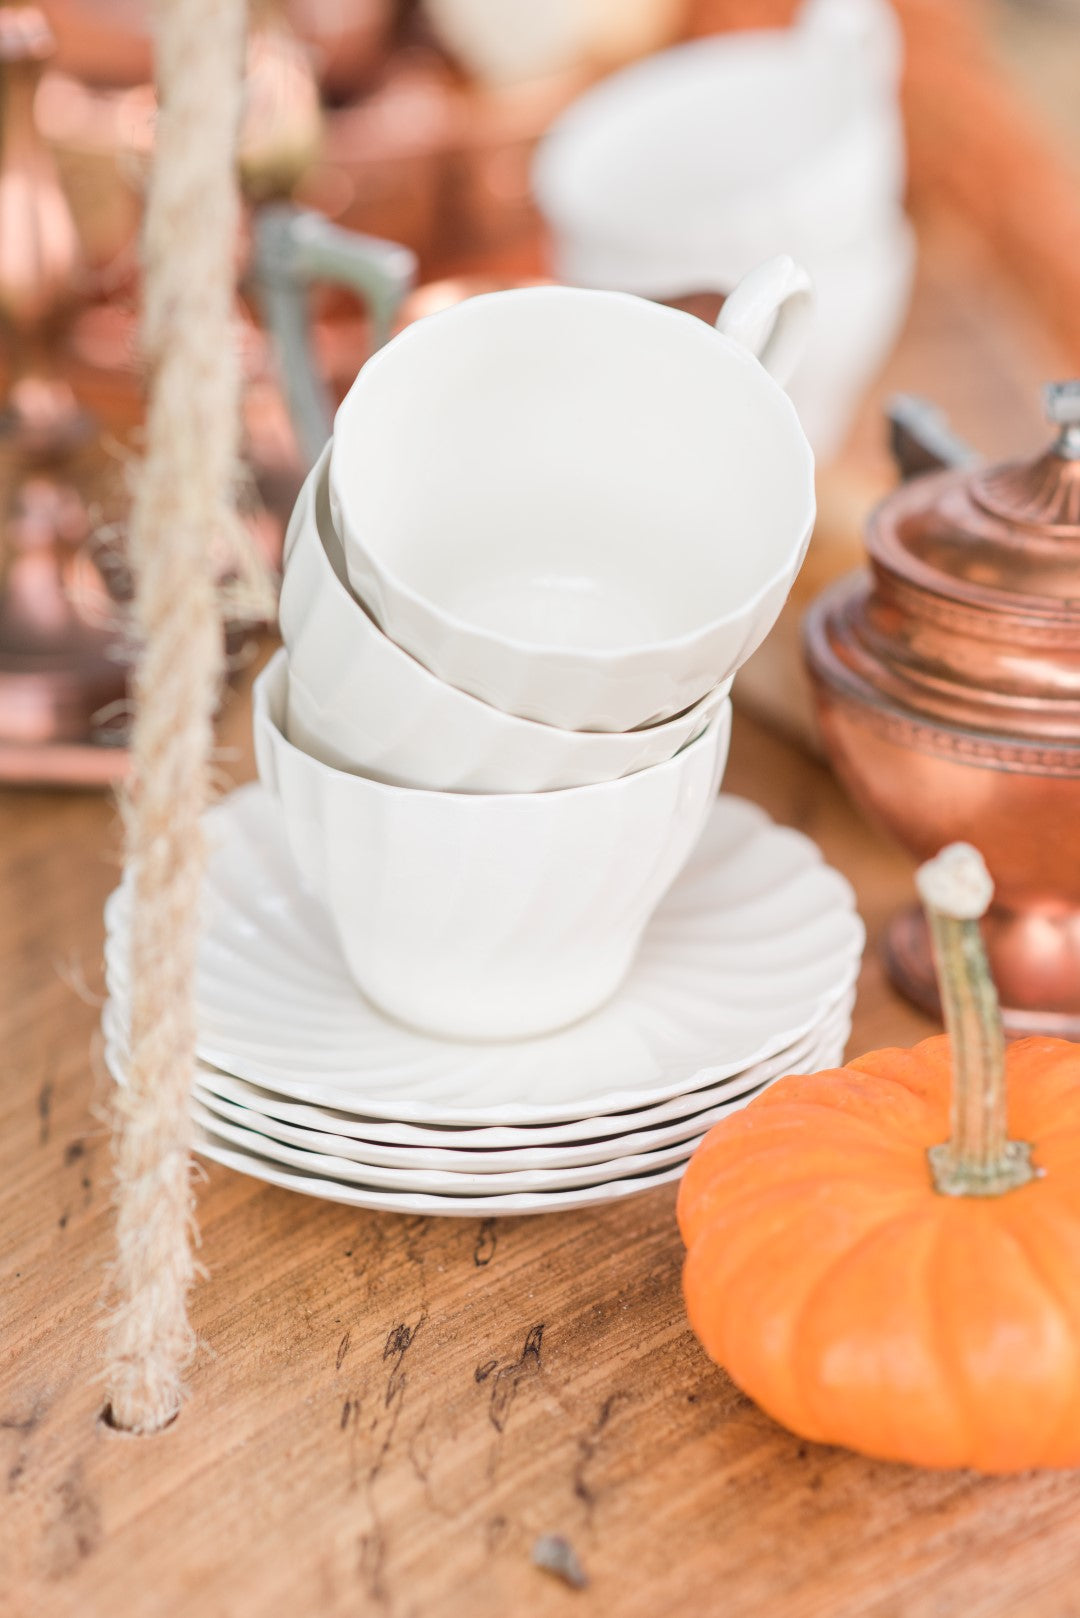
[(571, 468)]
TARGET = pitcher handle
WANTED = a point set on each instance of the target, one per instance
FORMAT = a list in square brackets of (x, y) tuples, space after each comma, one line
[(870, 27), (770, 312), (296, 249)]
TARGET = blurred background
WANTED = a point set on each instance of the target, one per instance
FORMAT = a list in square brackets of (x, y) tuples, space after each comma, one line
[(921, 155)]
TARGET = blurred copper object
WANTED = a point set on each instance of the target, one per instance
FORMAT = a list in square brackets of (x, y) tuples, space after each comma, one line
[(282, 122), (706, 305), (488, 202), (62, 666), (947, 680), (101, 131), (718, 16), (103, 42), (435, 295), (384, 159), (101, 138), (107, 42), (348, 40), (434, 163)]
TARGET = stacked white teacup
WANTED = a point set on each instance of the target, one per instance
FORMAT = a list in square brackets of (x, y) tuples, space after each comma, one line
[(550, 526)]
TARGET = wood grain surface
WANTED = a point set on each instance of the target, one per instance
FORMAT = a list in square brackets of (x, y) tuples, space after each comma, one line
[(387, 1412)]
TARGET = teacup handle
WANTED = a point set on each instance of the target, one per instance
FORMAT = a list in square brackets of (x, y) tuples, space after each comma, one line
[(770, 312), (294, 250)]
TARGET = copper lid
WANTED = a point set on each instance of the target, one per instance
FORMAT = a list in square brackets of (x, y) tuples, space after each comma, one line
[(971, 614), (1001, 539)]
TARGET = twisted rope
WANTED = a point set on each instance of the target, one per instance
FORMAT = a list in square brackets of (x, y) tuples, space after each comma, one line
[(182, 505)]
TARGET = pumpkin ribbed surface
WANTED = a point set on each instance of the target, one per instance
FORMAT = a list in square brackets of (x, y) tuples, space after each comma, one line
[(856, 1304)]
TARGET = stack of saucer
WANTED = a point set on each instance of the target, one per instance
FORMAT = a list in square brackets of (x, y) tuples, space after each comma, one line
[(746, 972), (484, 936)]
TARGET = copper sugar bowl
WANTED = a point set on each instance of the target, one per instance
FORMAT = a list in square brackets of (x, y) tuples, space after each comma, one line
[(947, 679)]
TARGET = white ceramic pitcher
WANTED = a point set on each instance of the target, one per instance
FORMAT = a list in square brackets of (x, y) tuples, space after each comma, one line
[(679, 173)]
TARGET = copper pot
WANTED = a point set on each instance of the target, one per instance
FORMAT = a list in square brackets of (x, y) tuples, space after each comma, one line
[(947, 680)]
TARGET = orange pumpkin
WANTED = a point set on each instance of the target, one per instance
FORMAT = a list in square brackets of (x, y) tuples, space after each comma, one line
[(871, 1287)]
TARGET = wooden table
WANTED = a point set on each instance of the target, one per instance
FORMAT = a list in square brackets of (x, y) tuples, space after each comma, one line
[(387, 1412)]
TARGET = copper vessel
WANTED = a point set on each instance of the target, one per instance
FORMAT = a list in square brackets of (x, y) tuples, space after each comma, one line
[(947, 679), (101, 127), (63, 662)]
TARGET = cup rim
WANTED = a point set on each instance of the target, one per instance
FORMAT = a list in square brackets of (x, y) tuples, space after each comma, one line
[(271, 683), (471, 309), (711, 699)]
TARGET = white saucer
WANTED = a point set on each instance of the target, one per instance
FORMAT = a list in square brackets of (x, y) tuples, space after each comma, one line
[(448, 1182), (321, 1156), (415, 1202), (753, 947), (631, 1134), (456, 1171), (521, 1145), (580, 1181)]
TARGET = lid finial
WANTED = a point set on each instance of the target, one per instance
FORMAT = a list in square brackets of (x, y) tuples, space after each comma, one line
[(1061, 401)]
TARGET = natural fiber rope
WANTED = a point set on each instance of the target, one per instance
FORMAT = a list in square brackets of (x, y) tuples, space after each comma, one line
[(183, 500)]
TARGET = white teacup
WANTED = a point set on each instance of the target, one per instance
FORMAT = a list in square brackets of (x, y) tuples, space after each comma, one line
[(580, 507), (679, 173), (487, 916), (359, 703)]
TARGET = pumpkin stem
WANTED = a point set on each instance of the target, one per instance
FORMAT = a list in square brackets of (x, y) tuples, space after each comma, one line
[(978, 1160)]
